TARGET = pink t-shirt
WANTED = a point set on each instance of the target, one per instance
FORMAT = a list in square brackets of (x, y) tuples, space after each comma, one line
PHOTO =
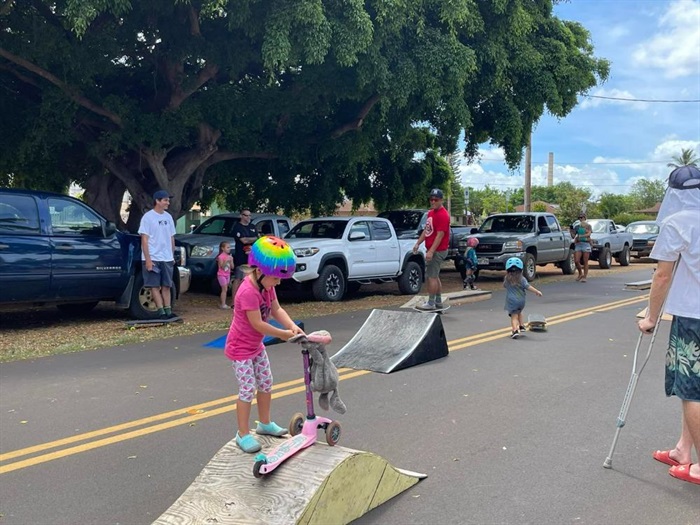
[(243, 341), (226, 270)]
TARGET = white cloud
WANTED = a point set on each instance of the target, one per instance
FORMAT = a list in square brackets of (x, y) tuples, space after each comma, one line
[(614, 93), (674, 48)]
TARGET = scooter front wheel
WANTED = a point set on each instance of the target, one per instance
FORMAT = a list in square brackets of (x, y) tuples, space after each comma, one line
[(296, 424), (333, 432), (256, 468)]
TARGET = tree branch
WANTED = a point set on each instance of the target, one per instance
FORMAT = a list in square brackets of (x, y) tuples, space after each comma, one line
[(20, 76), (193, 17), (179, 95), (356, 123), (72, 92)]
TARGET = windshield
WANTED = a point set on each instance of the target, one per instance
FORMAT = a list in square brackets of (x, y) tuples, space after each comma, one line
[(643, 227), (317, 230), (404, 219), (598, 226), (508, 223), (217, 226)]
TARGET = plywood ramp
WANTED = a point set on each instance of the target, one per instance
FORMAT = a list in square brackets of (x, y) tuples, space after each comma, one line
[(320, 485)]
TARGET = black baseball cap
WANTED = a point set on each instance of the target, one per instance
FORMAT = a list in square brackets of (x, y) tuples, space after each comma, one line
[(161, 194), (684, 178), (435, 192)]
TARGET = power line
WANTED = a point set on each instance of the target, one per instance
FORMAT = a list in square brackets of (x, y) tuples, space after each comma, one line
[(560, 162), (691, 101)]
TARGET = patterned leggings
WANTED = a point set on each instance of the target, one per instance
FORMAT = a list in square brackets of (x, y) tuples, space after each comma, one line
[(253, 374)]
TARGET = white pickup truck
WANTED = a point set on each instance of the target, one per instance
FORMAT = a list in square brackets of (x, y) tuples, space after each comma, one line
[(336, 255), (608, 242)]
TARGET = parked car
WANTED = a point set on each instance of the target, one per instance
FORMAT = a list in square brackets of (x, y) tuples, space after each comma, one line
[(336, 255), (55, 249), (608, 242), (644, 234), (536, 238), (409, 224), (202, 245)]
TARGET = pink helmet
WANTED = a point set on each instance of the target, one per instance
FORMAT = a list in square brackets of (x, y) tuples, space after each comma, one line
[(472, 242)]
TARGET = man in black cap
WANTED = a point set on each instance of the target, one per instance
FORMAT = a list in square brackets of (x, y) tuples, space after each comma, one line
[(437, 240), (157, 230)]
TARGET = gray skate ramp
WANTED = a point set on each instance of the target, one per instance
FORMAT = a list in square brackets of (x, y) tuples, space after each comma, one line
[(391, 340)]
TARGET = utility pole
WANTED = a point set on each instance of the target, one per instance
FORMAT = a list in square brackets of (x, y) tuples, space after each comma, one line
[(528, 171), (550, 170)]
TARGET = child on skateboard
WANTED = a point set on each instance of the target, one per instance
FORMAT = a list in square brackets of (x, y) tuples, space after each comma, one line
[(271, 260), (516, 285)]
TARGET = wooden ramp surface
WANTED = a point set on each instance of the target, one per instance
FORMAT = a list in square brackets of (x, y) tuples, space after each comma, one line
[(320, 485)]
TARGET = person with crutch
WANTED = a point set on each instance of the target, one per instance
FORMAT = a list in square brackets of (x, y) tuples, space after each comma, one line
[(679, 240)]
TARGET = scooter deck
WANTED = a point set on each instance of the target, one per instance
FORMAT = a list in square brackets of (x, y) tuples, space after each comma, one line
[(144, 323)]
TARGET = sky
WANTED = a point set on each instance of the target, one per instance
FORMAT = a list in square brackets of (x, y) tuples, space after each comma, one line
[(607, 145)]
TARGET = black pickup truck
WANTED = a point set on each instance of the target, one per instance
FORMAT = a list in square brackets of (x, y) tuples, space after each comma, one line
[(55, 249), (409, 224)]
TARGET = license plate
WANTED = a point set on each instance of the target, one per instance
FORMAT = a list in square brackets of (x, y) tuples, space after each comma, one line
[(482, 260)]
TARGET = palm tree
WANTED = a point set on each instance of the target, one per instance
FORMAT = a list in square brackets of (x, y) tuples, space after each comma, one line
[(686, 158)]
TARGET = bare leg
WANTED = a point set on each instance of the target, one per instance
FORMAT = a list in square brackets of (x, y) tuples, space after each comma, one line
[(157, 297), (577, 262), (683, 450), (586, 256), (691, 420), (433, 285), (222, 295), (514, 323), (520, 320), (243, 417), (264, 401), (165, 292)]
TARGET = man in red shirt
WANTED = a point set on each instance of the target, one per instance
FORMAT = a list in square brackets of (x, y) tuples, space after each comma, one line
[(437, 239)]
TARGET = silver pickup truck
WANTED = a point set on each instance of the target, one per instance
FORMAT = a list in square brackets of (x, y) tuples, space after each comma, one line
[(608, 242)]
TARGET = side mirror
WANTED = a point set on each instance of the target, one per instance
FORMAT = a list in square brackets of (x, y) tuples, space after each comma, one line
[(357, 236), (109, 229), (473, 231)]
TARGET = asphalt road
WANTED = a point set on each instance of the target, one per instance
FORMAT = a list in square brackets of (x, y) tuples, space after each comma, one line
[(508, 432)]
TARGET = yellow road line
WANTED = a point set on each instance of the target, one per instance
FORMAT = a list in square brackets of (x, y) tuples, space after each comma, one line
[(185, 415)]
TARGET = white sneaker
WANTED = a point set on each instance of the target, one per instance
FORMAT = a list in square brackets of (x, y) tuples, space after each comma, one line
[(224, 307), (426, 306)]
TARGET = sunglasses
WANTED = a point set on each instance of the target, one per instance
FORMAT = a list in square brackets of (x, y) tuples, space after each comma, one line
[(245, 214), (433, 199)]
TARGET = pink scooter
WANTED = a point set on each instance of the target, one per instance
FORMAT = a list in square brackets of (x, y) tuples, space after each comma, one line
[(304, 430)]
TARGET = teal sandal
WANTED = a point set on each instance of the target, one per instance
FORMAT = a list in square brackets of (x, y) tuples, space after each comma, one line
[(270, 429), (248, 443)]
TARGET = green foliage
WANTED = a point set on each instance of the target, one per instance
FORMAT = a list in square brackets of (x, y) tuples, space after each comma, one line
[(626, 218), (285, 104), (611, 205), (647, 192)]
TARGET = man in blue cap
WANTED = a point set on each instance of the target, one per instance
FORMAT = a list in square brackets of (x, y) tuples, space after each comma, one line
[(678, 245), (157, 230)]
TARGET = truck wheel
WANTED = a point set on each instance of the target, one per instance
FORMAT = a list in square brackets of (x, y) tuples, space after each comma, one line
[(330, 285), (411, 280), (605, 258), (568, 266), (142, 305), (77, 308), (529, 267), (624, 256)]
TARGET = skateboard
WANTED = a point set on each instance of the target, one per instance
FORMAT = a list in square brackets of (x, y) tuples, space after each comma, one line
[(434, 311), (143, 323), (537, 323)]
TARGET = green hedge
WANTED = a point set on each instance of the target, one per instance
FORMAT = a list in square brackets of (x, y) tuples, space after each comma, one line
[(626, 218)]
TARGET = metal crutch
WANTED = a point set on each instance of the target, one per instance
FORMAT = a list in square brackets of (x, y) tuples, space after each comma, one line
[(634, 378)]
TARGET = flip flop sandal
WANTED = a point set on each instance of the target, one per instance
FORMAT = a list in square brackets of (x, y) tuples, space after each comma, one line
[(682, 472), (664, 456)]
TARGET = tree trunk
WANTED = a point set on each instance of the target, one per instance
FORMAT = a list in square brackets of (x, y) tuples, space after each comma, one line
[(105, 193)]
